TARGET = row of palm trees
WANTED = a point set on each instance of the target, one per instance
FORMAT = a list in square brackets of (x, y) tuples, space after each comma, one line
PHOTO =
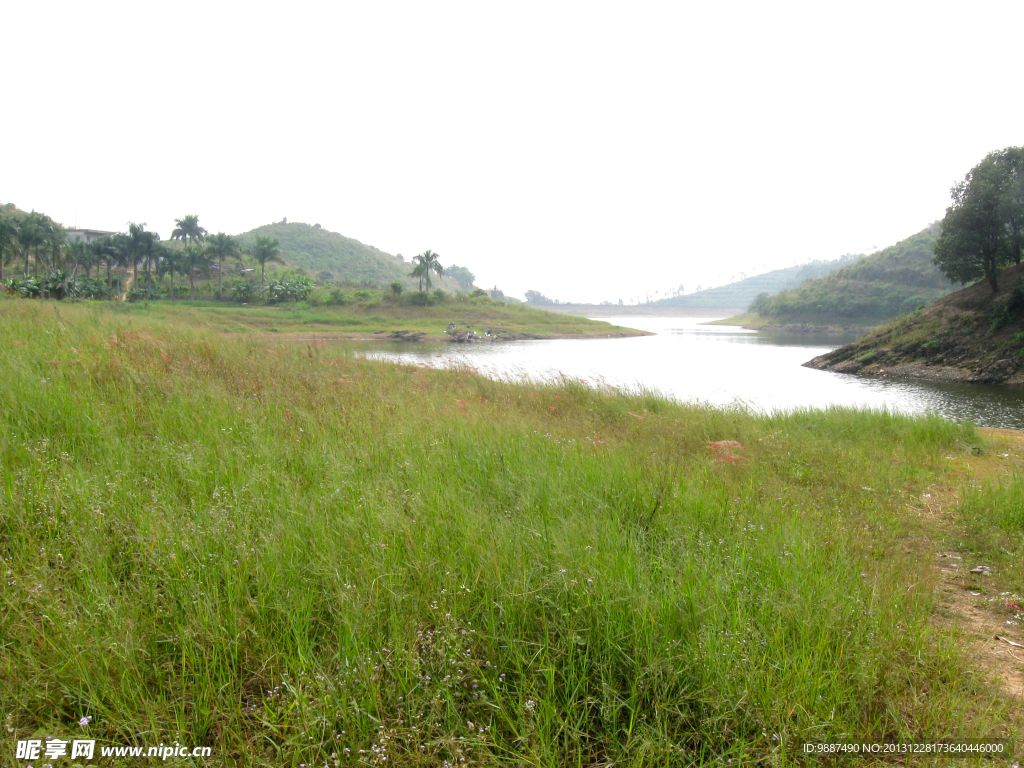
[(194, 251)]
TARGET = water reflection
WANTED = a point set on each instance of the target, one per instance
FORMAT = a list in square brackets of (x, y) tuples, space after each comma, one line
[(720, 365)]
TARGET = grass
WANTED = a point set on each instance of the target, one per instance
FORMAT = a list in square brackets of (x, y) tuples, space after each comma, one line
[(299, 557), (364, 318), (994, 513)]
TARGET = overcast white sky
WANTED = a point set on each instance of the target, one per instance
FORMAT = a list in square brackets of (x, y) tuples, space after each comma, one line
[(587, 150)]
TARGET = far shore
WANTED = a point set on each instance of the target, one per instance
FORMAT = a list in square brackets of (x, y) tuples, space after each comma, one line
[(616, 332), (626, 310)]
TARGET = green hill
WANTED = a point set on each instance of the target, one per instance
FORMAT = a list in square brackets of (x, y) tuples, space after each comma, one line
[(971, 335), (743, 292), (873, 289), (316, 250)]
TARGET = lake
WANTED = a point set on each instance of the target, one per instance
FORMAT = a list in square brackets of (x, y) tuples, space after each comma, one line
[(721, 365)]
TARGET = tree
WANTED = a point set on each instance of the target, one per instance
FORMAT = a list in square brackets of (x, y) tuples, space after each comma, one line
[(140, 246), (1011, 204), (32, 234), (187, 228), (170, 262), (105, 250), (263, 250), (426, 263), (8, 239), (56, 241), (194, 259), (984, 228), (220, 247), (78, 251), (536, 297), (462, 276)]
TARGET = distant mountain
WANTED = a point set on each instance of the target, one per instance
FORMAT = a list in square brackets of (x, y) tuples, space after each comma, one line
[(743, 292), (873, 289), (316, 250)]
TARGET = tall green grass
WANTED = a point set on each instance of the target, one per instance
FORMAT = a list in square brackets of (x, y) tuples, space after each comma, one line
[(994, 514), (299, 557)]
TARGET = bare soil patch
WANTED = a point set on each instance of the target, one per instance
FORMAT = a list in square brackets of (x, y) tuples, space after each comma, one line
[(970, 602)]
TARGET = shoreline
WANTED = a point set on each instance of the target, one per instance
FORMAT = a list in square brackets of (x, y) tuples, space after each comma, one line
[(914, 370), (418, 336)]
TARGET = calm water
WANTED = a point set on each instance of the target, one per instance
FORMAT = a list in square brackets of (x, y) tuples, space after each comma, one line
[(721, 365)]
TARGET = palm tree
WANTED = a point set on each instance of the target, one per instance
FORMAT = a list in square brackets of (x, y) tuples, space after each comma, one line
[(122, 254), (170, 261), (56, 240), (8, 239), (426, 263), (140, 244), (221, 246), (32, 234), (103, 250), (266, 249), (187, 228), (194, 259), (78, 250)]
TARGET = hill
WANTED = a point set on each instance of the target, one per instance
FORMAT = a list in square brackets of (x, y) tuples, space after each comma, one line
[(895, 281), (743, 292), (316, 250), (972, 335)]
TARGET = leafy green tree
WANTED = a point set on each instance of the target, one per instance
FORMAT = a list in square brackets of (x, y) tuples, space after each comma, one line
[(462, 276), (426, 263), (1011, 207), (984, 228), (220, 247)]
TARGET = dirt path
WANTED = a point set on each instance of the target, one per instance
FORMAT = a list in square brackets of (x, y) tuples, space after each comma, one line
[(128, 280), (969, 604)]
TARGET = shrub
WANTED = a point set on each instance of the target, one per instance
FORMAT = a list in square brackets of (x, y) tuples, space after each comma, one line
[(1012, 307), (243, 292), (289, 289), (144, 294)]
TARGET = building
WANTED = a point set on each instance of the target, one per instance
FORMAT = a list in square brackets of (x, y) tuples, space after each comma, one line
[(86, 235)]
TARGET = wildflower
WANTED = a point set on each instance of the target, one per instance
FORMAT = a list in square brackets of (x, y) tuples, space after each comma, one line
[(84, 721)]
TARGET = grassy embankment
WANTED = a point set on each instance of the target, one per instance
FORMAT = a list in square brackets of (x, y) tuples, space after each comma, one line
[(371, 318), (970, 335), (300, 557)]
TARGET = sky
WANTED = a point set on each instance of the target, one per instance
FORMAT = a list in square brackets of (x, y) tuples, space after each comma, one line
[(589, 150)]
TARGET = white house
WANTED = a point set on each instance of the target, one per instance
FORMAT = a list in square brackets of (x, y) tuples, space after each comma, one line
[(87, 235)]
